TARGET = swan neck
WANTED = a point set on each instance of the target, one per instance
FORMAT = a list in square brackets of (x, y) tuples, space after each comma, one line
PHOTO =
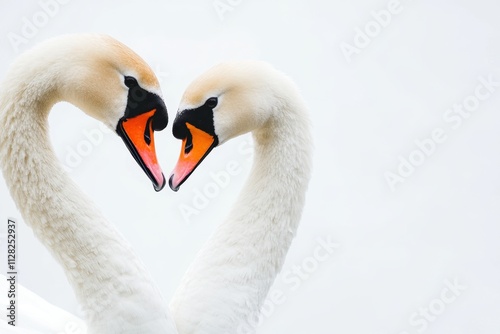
[(110, 282), (239, 263)]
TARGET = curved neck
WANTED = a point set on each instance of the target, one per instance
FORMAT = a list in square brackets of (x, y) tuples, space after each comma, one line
[(234, 271), (110, 282)]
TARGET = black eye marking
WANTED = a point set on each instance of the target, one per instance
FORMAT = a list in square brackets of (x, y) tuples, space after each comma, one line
[(212, 102), (131, 82)]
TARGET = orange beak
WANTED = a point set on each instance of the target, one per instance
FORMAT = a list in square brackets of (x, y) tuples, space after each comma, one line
[(138, 135), (195, 147)]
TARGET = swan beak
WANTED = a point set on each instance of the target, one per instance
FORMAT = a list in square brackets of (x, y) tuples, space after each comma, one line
[(195, 147), (138, 134)]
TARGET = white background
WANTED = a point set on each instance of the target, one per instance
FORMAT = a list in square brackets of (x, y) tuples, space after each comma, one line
[(397, 248)]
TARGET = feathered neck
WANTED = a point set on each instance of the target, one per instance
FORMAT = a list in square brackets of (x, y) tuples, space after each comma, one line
[(110, 282), (233, 272)]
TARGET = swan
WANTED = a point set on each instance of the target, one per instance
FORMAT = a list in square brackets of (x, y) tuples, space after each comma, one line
[(112, 84), (231, 275)]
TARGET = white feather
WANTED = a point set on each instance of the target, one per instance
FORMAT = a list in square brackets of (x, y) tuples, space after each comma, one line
[(114, 289), (232, 274)]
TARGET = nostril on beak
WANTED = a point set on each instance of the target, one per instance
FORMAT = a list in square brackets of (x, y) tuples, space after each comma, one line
[(189, 143), (147, 132)]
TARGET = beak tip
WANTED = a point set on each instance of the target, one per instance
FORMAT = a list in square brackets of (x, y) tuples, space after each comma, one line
[(171, 183), (158, 187)]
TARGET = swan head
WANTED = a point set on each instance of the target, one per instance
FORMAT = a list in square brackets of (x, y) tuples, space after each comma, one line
[(110, 83), (228, 100)]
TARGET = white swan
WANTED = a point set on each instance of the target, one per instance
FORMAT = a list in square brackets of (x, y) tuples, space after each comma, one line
[(232, 274), (114, 85)]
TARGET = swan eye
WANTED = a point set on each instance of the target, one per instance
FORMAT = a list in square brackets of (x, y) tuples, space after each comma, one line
[(131, 82), (212, 102)]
